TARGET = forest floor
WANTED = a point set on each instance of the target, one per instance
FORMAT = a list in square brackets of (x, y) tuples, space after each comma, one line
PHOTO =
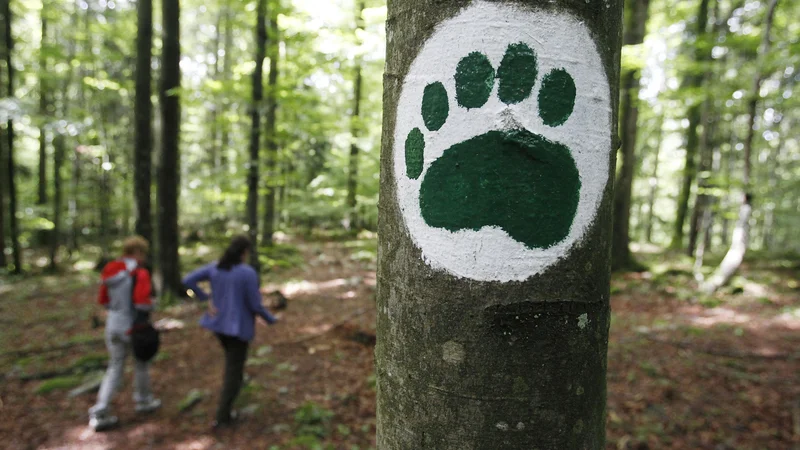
[(684, 372)]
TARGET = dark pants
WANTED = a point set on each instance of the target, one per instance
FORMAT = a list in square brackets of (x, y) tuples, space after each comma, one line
[(235, 357)]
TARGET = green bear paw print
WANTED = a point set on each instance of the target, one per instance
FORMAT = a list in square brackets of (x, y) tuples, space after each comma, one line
[(509, 178)]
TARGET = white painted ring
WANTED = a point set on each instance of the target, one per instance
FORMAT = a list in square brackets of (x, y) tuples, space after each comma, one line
[(560, 41)]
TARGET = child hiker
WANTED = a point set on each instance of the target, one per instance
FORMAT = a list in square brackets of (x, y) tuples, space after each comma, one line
[(125, 292), (236, 301)]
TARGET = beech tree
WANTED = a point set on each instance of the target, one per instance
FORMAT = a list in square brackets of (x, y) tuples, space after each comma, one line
[(495, 225)]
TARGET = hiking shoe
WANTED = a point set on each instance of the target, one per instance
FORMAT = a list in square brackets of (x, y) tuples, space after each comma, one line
[(103, 423), (149, 406)]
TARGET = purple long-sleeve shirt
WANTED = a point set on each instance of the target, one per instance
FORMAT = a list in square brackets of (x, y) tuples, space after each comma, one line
[(236, 296)]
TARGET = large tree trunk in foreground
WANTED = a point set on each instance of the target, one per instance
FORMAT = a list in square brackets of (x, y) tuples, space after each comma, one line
[(635, 27), (740, 239), (169, 164), (143, 121), (270, 136), (491, 339), (255, 130), (10, 167)]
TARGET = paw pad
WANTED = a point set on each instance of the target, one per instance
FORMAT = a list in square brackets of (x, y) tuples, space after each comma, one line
[(512, 179)]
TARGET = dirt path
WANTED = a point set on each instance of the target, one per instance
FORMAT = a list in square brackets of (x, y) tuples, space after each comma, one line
[(681, 374)]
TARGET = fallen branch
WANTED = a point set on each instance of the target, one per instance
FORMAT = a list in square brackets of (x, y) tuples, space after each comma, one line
[(337, 325), (724, 353)]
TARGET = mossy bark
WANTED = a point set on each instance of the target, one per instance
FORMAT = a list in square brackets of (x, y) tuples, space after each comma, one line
[(466, 364)]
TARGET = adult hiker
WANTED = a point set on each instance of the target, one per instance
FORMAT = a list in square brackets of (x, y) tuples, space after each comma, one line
[(126, 294), (235, 303)]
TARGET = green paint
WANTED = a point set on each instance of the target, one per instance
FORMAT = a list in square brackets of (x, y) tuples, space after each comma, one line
[(415, 149), (556, 97), (517, 74), (516, 180), (474, 80), (435, 106), (513, 179)]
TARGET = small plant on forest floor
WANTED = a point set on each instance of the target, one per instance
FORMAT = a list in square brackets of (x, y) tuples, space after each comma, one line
[(59, 384), (313, 420)]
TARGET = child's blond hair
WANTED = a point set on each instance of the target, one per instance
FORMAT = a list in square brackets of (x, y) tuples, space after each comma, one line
[(134, 244)]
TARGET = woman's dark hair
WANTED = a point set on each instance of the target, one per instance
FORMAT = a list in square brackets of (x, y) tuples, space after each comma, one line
[(233, 254)]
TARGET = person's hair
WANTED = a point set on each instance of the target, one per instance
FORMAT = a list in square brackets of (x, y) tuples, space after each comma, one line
[(233, 254), (135, 244)]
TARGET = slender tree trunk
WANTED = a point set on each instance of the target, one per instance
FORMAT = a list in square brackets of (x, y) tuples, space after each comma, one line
[(651, 198), (693, 80), (703, 199), (3, 261), (355, 125), (43, 108), (255, 131), (213, 113), (169, 167), (58, 162), (489, 339), (143, 121), (635, 29), (3, 206), (739, 242), (227, 46), (10, 167), (270, 132)]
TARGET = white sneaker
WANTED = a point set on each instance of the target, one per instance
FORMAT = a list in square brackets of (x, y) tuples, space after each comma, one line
[(103, 423), (149, 406)]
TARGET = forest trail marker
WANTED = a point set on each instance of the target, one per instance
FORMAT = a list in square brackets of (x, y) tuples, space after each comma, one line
[(501, 150)]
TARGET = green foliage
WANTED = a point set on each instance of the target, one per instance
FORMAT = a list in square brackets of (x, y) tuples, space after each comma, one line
[(313, 420), (59, 384)]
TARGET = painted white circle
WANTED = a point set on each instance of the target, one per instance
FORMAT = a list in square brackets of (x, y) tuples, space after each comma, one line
[(560, 42)]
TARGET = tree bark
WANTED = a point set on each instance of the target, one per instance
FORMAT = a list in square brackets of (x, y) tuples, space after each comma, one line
[(169, 167), (255, 130), (635, 28), (10, 166), (693, 81), (739, 241), (273, 40), (143, 121), (475, 359), (355, 125)]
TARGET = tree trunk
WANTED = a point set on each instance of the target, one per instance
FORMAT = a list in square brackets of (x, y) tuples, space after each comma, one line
[(3, 206), (227, 46), (693, 81), (255, 131), (492, 303), (355, 125), (3, 260), (169, 167), (10, 167), (702, 202), (635, 29), (43, 106), (739, 241), (58, 162), (143, 121), (269, 132), (651, 198)]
